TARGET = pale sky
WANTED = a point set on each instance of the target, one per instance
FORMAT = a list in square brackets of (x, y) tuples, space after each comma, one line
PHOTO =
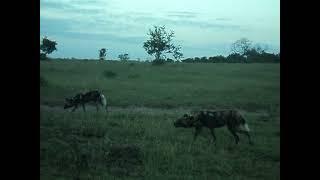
[(202, 27)]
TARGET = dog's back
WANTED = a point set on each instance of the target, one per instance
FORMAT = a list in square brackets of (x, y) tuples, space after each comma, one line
[(74, 101), (91, 96), (219, 118), (214, 119), (82, 98)]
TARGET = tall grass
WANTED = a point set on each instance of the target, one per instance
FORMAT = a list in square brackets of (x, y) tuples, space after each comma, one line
[(246, 86), (85, 145), (137, 139)]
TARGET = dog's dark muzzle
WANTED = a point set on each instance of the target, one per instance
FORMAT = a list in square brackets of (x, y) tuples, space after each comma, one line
[(67, 106), (177, 124)]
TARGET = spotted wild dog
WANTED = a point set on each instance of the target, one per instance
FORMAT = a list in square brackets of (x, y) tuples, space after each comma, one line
[(215, 119), (94, 96)]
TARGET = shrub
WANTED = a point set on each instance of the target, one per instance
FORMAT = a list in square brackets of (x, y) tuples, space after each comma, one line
[(125, 160), (43, 56), (158, 62), (43, 81), (109, 74), (133, 76)]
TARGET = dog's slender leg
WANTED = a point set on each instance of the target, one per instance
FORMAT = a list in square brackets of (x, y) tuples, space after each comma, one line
[(83, 107), (213, 135), (233, 132), (248, 135), (75, 107), (107, 112), (196, 133), (97, 106), (189, 149)]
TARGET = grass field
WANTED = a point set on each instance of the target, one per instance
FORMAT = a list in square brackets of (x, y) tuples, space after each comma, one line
[(137, 139)]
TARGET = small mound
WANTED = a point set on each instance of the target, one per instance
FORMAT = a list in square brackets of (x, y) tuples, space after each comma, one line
[(113, 124), (125, 160), (109, 74)]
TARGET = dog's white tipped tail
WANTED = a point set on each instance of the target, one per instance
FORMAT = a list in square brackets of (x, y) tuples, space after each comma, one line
[(244, 127), (103, 100)]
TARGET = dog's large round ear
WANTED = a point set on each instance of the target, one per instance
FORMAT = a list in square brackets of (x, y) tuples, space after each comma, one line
[(192, 119)]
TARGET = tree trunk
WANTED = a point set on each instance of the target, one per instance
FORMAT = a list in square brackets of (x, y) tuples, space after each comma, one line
[(157, 56)]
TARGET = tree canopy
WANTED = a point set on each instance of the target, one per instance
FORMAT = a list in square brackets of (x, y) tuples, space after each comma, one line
[(159, 43)]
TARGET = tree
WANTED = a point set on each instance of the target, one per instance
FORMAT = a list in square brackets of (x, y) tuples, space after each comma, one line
[(203, 59), (47, 47), (241, 46), (235, 57), (188, 60), (169, 60), (254, 52), (219, 59), (177, 54), (42, 56), (102, 53), (160, 43), (260, 49), (196, 59), (123, 57)]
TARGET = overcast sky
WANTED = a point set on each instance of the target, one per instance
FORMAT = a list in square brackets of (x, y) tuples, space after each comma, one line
[(202, 27)]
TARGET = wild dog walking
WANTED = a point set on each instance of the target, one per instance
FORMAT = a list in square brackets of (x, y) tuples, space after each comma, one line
[(95, 97), (215, 119)]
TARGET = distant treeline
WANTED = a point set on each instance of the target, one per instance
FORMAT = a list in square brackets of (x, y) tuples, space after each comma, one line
[(250, 57), (242, 51)]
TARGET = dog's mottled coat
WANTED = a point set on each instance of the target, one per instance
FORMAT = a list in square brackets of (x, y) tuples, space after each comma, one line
[(94, 96), (215, 119)]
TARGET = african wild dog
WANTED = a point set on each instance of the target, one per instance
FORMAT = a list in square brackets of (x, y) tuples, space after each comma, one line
[(82, 98), (215, 119)]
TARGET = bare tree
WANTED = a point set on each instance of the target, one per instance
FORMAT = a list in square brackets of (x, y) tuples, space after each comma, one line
[(102, 53), (260, 48), (177, 54), (123, 57), (241, 46)]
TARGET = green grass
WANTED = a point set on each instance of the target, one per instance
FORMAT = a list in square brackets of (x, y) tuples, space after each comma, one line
[(137, 139), (246, 86)]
